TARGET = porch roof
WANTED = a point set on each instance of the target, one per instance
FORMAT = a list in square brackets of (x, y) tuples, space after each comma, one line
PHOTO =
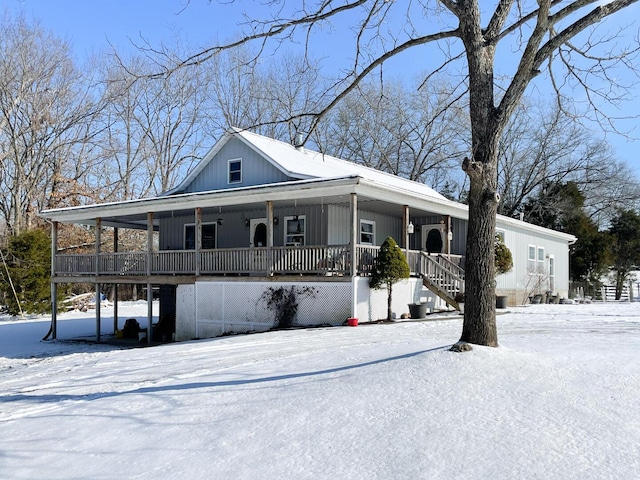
[(376, 195)]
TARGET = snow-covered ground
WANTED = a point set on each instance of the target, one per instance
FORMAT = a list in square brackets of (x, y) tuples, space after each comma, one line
[(560, 399)]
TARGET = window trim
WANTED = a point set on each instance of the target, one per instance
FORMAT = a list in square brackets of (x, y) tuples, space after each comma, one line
[(303, 233), (184, 235), (552, 272), (372, 233), (229, 172)]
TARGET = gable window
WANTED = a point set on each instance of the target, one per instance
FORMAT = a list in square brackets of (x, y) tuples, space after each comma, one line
[(235, 170), (295, 230), (207, 240), (367, 232)]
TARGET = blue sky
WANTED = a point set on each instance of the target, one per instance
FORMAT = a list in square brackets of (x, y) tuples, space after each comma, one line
[(89, 24)]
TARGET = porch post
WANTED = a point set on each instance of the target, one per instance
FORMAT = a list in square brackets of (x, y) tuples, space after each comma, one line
[(353, 234), (198, 239), (97, 282), (149, 312), (115, 286), (149, 270), (269, 237), (405, 229), (54, 285), (447, 242)]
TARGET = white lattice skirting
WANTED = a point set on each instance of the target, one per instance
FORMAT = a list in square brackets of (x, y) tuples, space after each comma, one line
[(213, 308)]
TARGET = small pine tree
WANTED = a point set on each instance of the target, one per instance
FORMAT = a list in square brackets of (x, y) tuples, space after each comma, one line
[(28, 258), (504, 260), (390, 266)]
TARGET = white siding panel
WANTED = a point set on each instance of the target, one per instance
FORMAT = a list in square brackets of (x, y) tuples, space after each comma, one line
[(520, 277)]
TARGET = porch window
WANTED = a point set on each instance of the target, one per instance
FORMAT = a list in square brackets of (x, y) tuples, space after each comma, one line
[(208, 239), (235, 170), (295, 230), (367, 232)]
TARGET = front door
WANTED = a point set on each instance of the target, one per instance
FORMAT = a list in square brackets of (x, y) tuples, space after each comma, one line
[(258, 232), (433, 238), (258, 238)]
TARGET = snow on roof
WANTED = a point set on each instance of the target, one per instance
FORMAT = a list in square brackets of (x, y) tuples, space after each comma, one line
[(306, 164)]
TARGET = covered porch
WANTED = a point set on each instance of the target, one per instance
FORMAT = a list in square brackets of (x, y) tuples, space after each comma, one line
[(247, 232)]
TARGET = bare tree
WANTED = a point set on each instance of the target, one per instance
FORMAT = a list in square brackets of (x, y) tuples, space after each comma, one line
[(45, 108), (543, 145), (532, 35), (270, 99), (412, 134), (152, 130)]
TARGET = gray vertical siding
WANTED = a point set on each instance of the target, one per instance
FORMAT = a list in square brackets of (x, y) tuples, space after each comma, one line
[(385, 225), (255, 169), (233, 232), (458, 228)]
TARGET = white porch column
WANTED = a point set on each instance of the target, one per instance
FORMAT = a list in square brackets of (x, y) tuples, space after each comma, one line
[(97, 284), (353, 234), (54, 285)]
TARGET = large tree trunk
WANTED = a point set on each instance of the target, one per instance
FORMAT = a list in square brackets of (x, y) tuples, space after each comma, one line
[(479, 325), (487, 123)]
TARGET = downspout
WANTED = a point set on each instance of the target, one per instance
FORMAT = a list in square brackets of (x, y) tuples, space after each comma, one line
[(54, 285), (353, 236), (149, 270), (198, 245), (115, 286)]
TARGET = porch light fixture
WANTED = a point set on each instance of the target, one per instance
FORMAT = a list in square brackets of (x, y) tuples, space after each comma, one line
[(219, 221), (276, 221), (410, 227), (247, 222)]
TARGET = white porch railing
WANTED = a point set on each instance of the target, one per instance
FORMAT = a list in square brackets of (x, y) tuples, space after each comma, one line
[(319, 260), (294, 260), (443, 276)]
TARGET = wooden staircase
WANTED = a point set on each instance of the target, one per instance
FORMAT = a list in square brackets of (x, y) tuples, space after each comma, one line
[(442, 277)]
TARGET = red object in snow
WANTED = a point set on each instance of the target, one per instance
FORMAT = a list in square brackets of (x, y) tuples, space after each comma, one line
[(352, 322)]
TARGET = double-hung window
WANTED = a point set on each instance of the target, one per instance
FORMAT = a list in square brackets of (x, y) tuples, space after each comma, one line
[(367, 232), (235, 170), (531, 263)]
